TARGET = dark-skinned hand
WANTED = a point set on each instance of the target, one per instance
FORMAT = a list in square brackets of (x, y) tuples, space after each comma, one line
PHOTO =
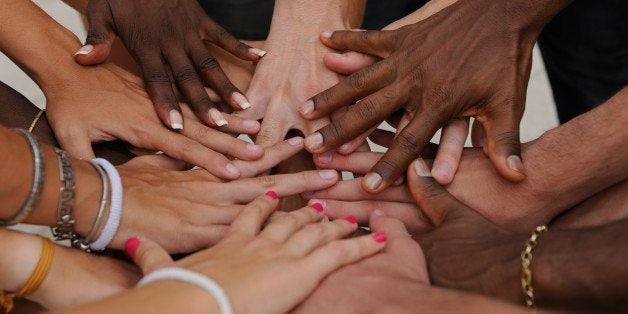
[(174, 32), (473, 58)]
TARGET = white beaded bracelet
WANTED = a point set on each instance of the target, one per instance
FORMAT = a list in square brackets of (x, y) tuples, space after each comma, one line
[(115, 206), (200, 280)]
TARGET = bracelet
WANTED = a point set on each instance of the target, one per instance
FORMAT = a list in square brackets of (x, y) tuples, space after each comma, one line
[(98, 224), (64, 230), (115, 206), (36, 278), (526, 261), (39, 114), (39, 177), (200, 280)]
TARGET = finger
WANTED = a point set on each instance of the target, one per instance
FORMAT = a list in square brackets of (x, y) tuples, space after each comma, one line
[(478, 135), (435, 202), (351, 190), (240, 125), (159, 89), (351, 146), (100, 35), (375, 43), (314, 236), (408, 144), (250, 220), (358, 162), (159, 161), (146, 254), (283, 227), (503, 144), (229, 43), (450, 150), (77, 144), (245, 190), (382, 138), (272, 131), (358, 119), (223, 143), (272, 157), (348, 91), (348, 63)]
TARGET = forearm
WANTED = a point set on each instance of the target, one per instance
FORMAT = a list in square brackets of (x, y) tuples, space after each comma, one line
[(20, 253)]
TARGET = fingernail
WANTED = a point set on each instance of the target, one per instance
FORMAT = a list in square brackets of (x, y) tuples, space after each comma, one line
[(241, 100), (295, 141), (444, 171), (514, 163), (328, 174), (380, 237), (131, 245), (307, 107), (253, 147), (325, 158), (84, 50), (314, 141), (176, 120), (378, 213), (327, 34), (272, 195), (251, 125), (373, 181), (420, 168), (217, 117), (258, 52), (318, 207), (345, 147), (232, 169), (352, 219)]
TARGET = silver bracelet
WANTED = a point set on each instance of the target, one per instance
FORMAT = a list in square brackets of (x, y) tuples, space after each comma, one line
[(65, 216), (39, 177), (99, 221)]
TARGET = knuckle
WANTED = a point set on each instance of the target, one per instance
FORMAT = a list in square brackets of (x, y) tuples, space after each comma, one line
[(208, 64), (186, 74), (317, 231), (156, 76), (408, 143), (267, 182), (367, 110), (333, 133), (358, 80)]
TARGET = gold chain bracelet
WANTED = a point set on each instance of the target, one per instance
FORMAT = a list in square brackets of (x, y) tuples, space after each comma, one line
[(526, 261)]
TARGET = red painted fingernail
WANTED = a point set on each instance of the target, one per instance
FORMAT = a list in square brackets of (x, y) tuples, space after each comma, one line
[(352, 219), (318, 207), (131, 246), (272, 195), (380, 237)]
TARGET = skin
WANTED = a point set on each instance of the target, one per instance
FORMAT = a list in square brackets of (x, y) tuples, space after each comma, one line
[(113, 102), (496, 59), (284, 262), (175, 30)]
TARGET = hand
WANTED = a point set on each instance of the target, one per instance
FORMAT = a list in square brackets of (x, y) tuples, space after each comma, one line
[(105, 102), (488, 83), (372, 284), (187, 211), (284, 262), (174, 31)]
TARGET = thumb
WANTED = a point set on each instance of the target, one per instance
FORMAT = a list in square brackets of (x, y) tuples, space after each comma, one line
[(146, 254), (375, 43), (78, 145), (349, 62), (435, 202), (503, 145), (100, 35)]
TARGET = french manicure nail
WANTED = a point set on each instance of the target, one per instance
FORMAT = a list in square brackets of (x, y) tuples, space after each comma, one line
[(217, 117), (352, 219), (131, 245), (420, 168), (380, 237), (325, 158), (373, 181), (307, 107), (84, 50), (232, 169), (318, 207), (444, 171), (328, 174), (327, 34), (258, 52), (176, 120), (241, 100), (514, 163), (251, 125), (378, 213), (295, 141), (272, 195), (314, 141)]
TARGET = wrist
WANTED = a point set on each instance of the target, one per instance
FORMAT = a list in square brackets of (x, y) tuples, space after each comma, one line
[(311, 18), (88, 194)]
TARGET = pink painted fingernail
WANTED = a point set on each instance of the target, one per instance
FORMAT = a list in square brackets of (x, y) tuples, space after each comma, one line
[(241, 100), (514, 163), (327, 174), (217, 117), (325, 158), (232, 169), (131, 245), (420, 168), (380, 237), (272, 195), (314, 141), (378, 213), (318, 207), (176, 120), (258, 52), (352, 219), (295, 141), (327, 34), (373, 181), (307, 107), (84, 50)]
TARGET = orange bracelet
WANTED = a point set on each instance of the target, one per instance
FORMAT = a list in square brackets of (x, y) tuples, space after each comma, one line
[(36, 278)]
